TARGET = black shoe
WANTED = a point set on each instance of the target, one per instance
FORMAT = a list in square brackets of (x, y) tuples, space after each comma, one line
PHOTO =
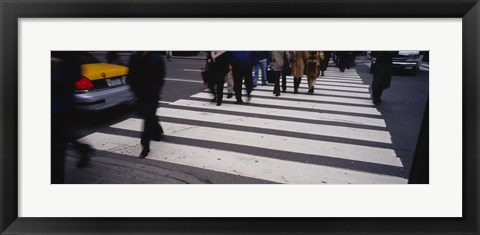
[(218, 104), (295, 91), (249, 97), (277, 94), (264, 83), (377, 102), (239, 102), (144, 153), (283, 90), (229, 96)]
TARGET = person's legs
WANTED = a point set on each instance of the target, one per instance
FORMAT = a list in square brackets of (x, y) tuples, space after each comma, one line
[(248, 82), (58, 145), (211, 87), (284, 80), (255, 76), (276, 88), (219, 88), (237, 86), (229, 81), (149, 125), (263, 66), (377, 89)]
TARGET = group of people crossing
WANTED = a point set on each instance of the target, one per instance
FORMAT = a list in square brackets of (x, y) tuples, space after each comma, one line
[(236, 68)]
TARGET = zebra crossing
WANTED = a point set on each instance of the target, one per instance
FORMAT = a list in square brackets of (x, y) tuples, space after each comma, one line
[(334, 136)]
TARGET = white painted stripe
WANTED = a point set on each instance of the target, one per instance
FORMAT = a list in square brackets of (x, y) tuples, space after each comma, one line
[(184, 80), (341, 84), (338, 88), (307, 115), (305, 104), (274, 142), (192, 70), (343, 76), (319, 92), (280, 171), (340, 81), (164, 102), (307, 97), (353, 79), (322, 83), (272, 124)]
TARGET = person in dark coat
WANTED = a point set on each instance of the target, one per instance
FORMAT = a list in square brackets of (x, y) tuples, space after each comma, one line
[(324, 63), (218, 63), (344, 60), (146, 78), (64, 74), (242, 63), (382, 73), (114, 58)]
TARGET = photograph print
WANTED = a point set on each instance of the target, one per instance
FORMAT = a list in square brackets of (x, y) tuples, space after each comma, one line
[(238, 117)]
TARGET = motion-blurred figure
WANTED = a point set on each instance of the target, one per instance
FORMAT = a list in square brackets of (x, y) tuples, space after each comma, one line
[(169, 55), (65, 74), (382, 73), (114, 58), (145, 76)]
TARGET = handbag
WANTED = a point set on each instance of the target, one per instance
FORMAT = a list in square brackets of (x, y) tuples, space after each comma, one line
[(270, 74)]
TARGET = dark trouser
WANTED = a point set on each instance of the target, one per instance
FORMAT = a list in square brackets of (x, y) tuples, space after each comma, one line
[(276, 77), (238, 77), (324, 65), (62, 134), (58, 145), (151, 128), (296, 83), (216, 86), (377, 88)]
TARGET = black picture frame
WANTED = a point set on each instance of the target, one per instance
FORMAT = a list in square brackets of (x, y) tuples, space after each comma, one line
[(11, 11)]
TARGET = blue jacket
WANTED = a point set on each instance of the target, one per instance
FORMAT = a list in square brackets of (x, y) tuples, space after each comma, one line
[(242, 60)]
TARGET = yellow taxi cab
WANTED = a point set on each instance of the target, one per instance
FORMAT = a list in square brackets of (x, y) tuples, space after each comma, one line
[(102, 85)]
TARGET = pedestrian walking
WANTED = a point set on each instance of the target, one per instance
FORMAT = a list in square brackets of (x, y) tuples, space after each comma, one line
[(278, 60), (146, 78), (261, 65), (64, 74), (298, 68), (313, 68), (287, 68), (324, 63), (344, 60), (242, 63), (382, 74), (218, 64), (169, 55)]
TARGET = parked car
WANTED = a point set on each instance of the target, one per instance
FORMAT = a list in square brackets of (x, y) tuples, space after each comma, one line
[(102, 85), (408, 61)]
